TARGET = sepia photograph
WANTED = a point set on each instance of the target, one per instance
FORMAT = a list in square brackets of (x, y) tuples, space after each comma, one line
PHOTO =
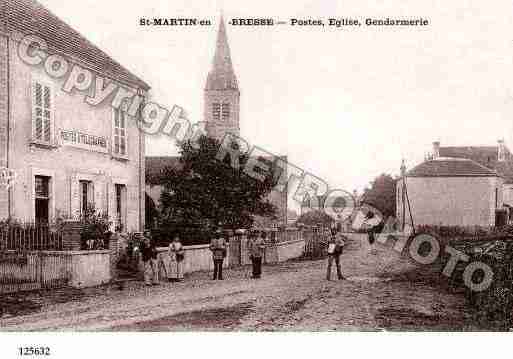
[(254, 167)]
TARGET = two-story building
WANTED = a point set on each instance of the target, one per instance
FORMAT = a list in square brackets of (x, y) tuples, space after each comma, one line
[(67, 154)]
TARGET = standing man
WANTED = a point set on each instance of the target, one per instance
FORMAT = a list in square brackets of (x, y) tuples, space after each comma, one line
[(256, 253), (149, 258), (219, 250), (335, 247)]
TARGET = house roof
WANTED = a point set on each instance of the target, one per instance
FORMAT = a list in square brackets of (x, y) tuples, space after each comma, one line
[(30, 17), (486, 156), (155, 167), (451, 167)]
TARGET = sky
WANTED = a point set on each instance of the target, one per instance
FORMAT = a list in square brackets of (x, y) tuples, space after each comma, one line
[(343, 104)]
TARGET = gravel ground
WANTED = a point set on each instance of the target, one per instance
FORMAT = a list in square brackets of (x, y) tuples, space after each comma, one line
[(382, 292)]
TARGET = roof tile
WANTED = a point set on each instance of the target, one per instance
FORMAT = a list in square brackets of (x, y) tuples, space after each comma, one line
[(451, 167), (30, 17)]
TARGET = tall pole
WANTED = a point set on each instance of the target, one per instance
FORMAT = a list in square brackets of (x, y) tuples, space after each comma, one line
[(403, 198)]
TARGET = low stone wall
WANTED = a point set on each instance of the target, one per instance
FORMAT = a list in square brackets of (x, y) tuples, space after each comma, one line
[(197, 258), (54, 269), (290, 250), (90, 268)]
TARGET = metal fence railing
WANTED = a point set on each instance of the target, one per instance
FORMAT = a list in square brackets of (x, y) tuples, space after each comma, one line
[(29, 237)]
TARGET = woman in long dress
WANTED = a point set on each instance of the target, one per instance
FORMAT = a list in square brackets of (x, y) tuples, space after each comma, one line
[(176, 258)]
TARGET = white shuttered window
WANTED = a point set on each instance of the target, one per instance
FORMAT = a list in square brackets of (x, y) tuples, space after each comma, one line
[(120, 135), (42, 119)]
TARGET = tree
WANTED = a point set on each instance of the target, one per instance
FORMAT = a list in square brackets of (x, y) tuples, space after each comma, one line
[(381, 194), (315, 217), (204, 192), (151, 211)]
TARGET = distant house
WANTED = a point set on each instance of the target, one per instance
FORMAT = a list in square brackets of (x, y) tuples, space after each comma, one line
[(456, 190), (497, 158)]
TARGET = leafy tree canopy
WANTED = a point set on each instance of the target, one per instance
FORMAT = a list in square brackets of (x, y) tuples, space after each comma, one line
[(205, 192), (381, 194), (315, 217)]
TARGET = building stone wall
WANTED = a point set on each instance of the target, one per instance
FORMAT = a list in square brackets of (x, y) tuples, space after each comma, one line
[(218, 129), (507, 191), (451, 201)]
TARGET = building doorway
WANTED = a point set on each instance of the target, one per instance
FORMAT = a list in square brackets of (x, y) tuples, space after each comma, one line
[(42, 199), (86, 196), (120, 208)]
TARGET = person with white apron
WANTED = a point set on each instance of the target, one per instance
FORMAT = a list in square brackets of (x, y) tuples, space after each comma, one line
[(176, 258)]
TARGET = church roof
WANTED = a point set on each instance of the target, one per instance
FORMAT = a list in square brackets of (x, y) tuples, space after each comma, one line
[(156, 166), (30, 17), (451, 167), (222, 76)]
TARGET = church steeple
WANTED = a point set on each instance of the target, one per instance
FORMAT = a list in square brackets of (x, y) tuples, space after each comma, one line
[(222, 76), (221, 91)]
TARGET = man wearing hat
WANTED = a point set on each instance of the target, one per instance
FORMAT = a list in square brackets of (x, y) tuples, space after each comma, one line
[(256, 252), (149, 258), (219, 251)]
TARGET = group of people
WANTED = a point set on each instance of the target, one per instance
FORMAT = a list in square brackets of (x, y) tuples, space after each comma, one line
[(149, 257), (174, 262), (256, 244), (219, 248)]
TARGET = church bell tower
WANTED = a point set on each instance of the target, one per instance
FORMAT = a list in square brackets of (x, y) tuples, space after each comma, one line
[(221, 95)]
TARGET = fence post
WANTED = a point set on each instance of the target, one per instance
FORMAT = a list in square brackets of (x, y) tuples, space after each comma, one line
[(115, 253), (41, 278)]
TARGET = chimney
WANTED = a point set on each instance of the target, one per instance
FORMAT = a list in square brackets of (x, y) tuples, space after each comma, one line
[(501, 151), (436, 150)]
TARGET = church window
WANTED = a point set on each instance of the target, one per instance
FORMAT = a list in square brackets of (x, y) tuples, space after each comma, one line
[(221, 111), (225, 111), (216, 111)]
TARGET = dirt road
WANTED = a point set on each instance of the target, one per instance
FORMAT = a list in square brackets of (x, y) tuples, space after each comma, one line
[(382, 292)]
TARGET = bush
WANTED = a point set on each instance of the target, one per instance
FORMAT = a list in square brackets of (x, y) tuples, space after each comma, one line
[(95, 229)]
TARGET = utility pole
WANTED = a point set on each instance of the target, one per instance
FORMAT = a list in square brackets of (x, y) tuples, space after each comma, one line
[(405, 198)]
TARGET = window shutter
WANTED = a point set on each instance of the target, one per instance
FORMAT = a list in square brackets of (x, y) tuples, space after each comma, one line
[(41, 112), (122, 133), (91, 197), (225, 111), (37, 93), (120, 144), (47, 110), (216, 111), (112, 203), (74, 196)]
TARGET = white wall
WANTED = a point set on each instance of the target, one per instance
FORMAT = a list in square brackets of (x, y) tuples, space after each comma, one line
[(461, 201)]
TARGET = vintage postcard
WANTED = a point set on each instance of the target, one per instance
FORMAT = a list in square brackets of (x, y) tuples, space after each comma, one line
[(295, 166)]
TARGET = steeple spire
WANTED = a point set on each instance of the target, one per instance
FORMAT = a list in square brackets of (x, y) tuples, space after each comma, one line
[(222, 76)]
